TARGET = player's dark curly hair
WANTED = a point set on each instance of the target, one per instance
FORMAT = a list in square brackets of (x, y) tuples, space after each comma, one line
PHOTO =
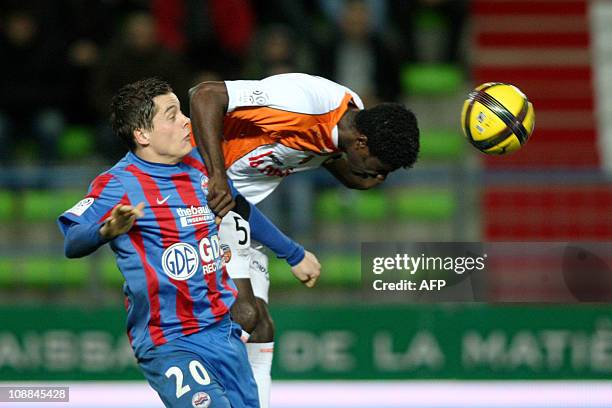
[(133, 107), (392, 132)]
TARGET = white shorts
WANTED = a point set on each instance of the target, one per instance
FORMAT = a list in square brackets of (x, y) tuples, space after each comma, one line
[(242, 259)]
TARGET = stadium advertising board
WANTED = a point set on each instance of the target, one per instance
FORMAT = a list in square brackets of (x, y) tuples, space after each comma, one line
[(361, 342)]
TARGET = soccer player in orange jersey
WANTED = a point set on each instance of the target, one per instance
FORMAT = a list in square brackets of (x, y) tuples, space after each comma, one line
[(258, 132)]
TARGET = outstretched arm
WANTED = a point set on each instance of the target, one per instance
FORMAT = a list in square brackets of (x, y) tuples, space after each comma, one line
[(208, 104), (83, 239), (304, 264)]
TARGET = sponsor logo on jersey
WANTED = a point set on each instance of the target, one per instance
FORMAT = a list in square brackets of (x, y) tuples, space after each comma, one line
[(195, 215), (269, 164), (80, 207), (200, 400), (211, 254), (180, 261), (276, 160)]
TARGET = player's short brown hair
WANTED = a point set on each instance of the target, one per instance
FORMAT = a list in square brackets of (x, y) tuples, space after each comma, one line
[(133, 108)]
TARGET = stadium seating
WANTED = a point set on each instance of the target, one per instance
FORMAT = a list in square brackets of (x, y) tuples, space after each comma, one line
[(370, 206), (342, 209), (550, 212), (551, 62), (37, 210), (441, 145), (339, 270), (77, 142), (47, 205), (435, 205), (425, 204), (43, 272), (7, 273), (109, 273), (6, 206), (431, 79)]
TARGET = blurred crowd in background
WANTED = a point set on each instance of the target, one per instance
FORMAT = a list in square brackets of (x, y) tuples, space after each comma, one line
[(63, 60)]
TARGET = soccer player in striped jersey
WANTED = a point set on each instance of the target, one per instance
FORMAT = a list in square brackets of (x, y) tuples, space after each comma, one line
[(258, 132), (151, 207)]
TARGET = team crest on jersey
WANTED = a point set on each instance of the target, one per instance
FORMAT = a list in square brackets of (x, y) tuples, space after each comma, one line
[(204, 184), (227, 253), (200, 400), (80, 207), (180, 261)]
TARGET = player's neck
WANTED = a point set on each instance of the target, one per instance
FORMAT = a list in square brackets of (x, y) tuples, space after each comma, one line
[(153, 158)]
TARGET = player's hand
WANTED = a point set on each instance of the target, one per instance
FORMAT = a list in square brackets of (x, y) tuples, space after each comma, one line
[(308, 270), (121, 220), (219, 197)]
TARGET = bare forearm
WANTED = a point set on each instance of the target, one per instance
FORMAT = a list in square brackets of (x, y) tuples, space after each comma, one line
[(208, 103)]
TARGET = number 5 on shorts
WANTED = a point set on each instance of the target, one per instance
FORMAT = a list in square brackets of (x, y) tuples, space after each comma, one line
[(242, 229), (197, 371)]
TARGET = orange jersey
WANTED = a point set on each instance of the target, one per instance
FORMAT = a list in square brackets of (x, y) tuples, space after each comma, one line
[(281, 125)]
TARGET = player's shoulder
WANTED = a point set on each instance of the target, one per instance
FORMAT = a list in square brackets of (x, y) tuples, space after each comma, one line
[(292, 92), (310, 92), (105, 183), (309, 83), (111, 178)]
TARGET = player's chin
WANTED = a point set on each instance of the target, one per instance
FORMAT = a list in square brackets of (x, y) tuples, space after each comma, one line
[(186, 147)]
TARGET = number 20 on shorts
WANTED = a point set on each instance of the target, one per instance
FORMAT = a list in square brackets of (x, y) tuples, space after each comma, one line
[(197, 371)]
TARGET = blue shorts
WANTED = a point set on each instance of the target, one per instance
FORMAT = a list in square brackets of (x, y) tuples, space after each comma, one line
[(208, 369)]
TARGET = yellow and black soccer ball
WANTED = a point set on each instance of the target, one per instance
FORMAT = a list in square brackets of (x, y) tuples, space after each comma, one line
[(497, 118)]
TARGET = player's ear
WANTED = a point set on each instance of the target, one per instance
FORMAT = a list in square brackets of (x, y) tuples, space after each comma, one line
[(361, 142), (141, 137)]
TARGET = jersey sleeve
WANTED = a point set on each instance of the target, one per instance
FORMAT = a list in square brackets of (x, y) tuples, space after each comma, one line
[(300, 93), (104, 193)]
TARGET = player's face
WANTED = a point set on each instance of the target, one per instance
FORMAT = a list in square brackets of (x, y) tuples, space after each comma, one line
[(169, 138), (363, 164), (370, 166)]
